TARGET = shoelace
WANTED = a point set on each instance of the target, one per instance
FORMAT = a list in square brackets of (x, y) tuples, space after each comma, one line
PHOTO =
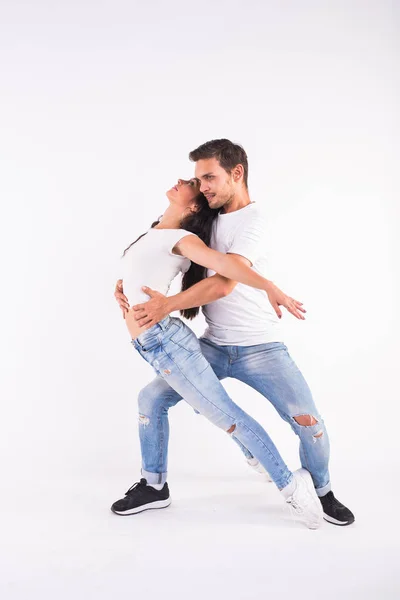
[(294, 504), (136, 486)]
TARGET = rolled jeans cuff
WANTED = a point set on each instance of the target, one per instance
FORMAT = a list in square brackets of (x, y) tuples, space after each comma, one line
[(154, 477), (323, 490)]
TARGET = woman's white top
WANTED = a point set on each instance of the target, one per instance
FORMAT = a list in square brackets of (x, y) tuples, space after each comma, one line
[(150, 262)]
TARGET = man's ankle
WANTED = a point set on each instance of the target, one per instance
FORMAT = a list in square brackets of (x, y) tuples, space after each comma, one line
[(156, 486)]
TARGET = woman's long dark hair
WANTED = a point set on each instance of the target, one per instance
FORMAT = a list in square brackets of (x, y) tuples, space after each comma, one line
[(200, 223)]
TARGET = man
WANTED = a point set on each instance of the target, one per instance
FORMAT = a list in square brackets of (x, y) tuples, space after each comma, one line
[(243, 338)]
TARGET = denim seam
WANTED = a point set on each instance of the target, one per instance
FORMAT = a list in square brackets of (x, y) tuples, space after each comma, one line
[(161, 434)]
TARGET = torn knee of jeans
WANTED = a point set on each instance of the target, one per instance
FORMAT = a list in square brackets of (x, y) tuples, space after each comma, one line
[(305, 420), (231, 429), (143, 420), (317, 436)]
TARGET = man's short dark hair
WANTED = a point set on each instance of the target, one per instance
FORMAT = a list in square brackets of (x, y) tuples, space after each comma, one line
[(226, 152)]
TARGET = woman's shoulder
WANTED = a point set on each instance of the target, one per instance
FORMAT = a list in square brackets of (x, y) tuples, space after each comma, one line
[(174, 233), (186, 232)]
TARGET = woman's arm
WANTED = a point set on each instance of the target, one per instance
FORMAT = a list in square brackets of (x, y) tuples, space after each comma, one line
[(237, 268), (227, 265)]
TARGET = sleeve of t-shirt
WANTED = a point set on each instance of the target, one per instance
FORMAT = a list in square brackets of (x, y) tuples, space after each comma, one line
[(175, 235), (249, 239)]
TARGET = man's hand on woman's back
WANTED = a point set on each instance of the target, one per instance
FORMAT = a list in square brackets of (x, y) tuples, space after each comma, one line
[(121, 298)]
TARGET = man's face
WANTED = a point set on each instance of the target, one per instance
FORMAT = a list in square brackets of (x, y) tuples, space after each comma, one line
[(216, 184)]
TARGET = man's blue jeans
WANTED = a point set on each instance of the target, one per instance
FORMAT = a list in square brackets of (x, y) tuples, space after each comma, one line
[(182, 365)]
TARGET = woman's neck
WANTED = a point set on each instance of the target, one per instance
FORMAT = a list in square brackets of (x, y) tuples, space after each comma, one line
[(171, 219)]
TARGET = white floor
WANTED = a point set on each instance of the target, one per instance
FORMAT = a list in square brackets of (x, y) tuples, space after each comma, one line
[(223, 537)]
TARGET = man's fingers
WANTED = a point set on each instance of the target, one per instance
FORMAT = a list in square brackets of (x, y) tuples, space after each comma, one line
[(121, 299), (141, 314), (138, 307), (149, 291), (144, 322), (123, 304), (119, 294)]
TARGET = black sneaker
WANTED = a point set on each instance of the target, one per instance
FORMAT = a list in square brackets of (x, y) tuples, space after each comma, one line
[(334, 511), (141, 497)]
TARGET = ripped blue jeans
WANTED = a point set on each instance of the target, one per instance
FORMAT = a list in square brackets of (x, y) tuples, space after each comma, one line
[(191, 369), (174, 352)]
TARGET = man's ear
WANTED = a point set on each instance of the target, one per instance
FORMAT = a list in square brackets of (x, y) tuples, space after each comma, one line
[(237, 172)]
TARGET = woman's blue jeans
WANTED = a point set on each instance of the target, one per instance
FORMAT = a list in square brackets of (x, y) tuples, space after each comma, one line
[(174, 352)]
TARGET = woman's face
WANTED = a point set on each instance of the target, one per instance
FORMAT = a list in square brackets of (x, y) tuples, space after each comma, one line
[(184, 192)]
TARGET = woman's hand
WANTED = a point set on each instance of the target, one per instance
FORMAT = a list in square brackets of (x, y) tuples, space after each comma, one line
[(121, 298), (237, 268), (278, 298)]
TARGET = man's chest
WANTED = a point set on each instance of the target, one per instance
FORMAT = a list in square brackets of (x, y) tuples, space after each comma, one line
[(222, 238)]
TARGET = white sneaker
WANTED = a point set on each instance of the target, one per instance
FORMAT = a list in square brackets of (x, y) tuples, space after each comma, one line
[(304, 500), (257, 466)]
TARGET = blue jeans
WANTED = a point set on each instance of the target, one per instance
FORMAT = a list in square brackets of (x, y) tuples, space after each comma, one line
[(174, 352), (268, 368)]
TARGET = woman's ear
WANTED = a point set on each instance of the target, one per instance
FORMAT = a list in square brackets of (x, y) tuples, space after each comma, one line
[(191, 209)]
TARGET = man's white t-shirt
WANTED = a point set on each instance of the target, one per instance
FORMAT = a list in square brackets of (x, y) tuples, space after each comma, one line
[(245, 317)]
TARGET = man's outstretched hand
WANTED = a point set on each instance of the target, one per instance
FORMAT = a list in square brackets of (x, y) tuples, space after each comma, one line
[(278, 298), (153, 311), (121, 298)]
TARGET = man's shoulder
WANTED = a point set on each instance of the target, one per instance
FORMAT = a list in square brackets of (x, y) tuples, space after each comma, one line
[(251, 222), (256, 217), (257, 210)]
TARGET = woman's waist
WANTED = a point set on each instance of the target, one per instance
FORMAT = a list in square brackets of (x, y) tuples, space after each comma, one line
[(134, 292), (136, 331)]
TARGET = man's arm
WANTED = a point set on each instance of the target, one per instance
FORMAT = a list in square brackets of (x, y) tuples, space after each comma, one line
[(204, 292), (159, 306), (201, 293)]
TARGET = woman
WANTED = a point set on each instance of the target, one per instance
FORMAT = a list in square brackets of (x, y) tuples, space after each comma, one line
[(178, 243)]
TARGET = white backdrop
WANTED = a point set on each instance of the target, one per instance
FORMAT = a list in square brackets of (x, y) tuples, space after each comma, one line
[(101, 103)]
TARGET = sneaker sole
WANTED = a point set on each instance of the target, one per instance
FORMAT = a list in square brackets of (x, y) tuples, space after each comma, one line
[(336, 522), (139, 509)]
